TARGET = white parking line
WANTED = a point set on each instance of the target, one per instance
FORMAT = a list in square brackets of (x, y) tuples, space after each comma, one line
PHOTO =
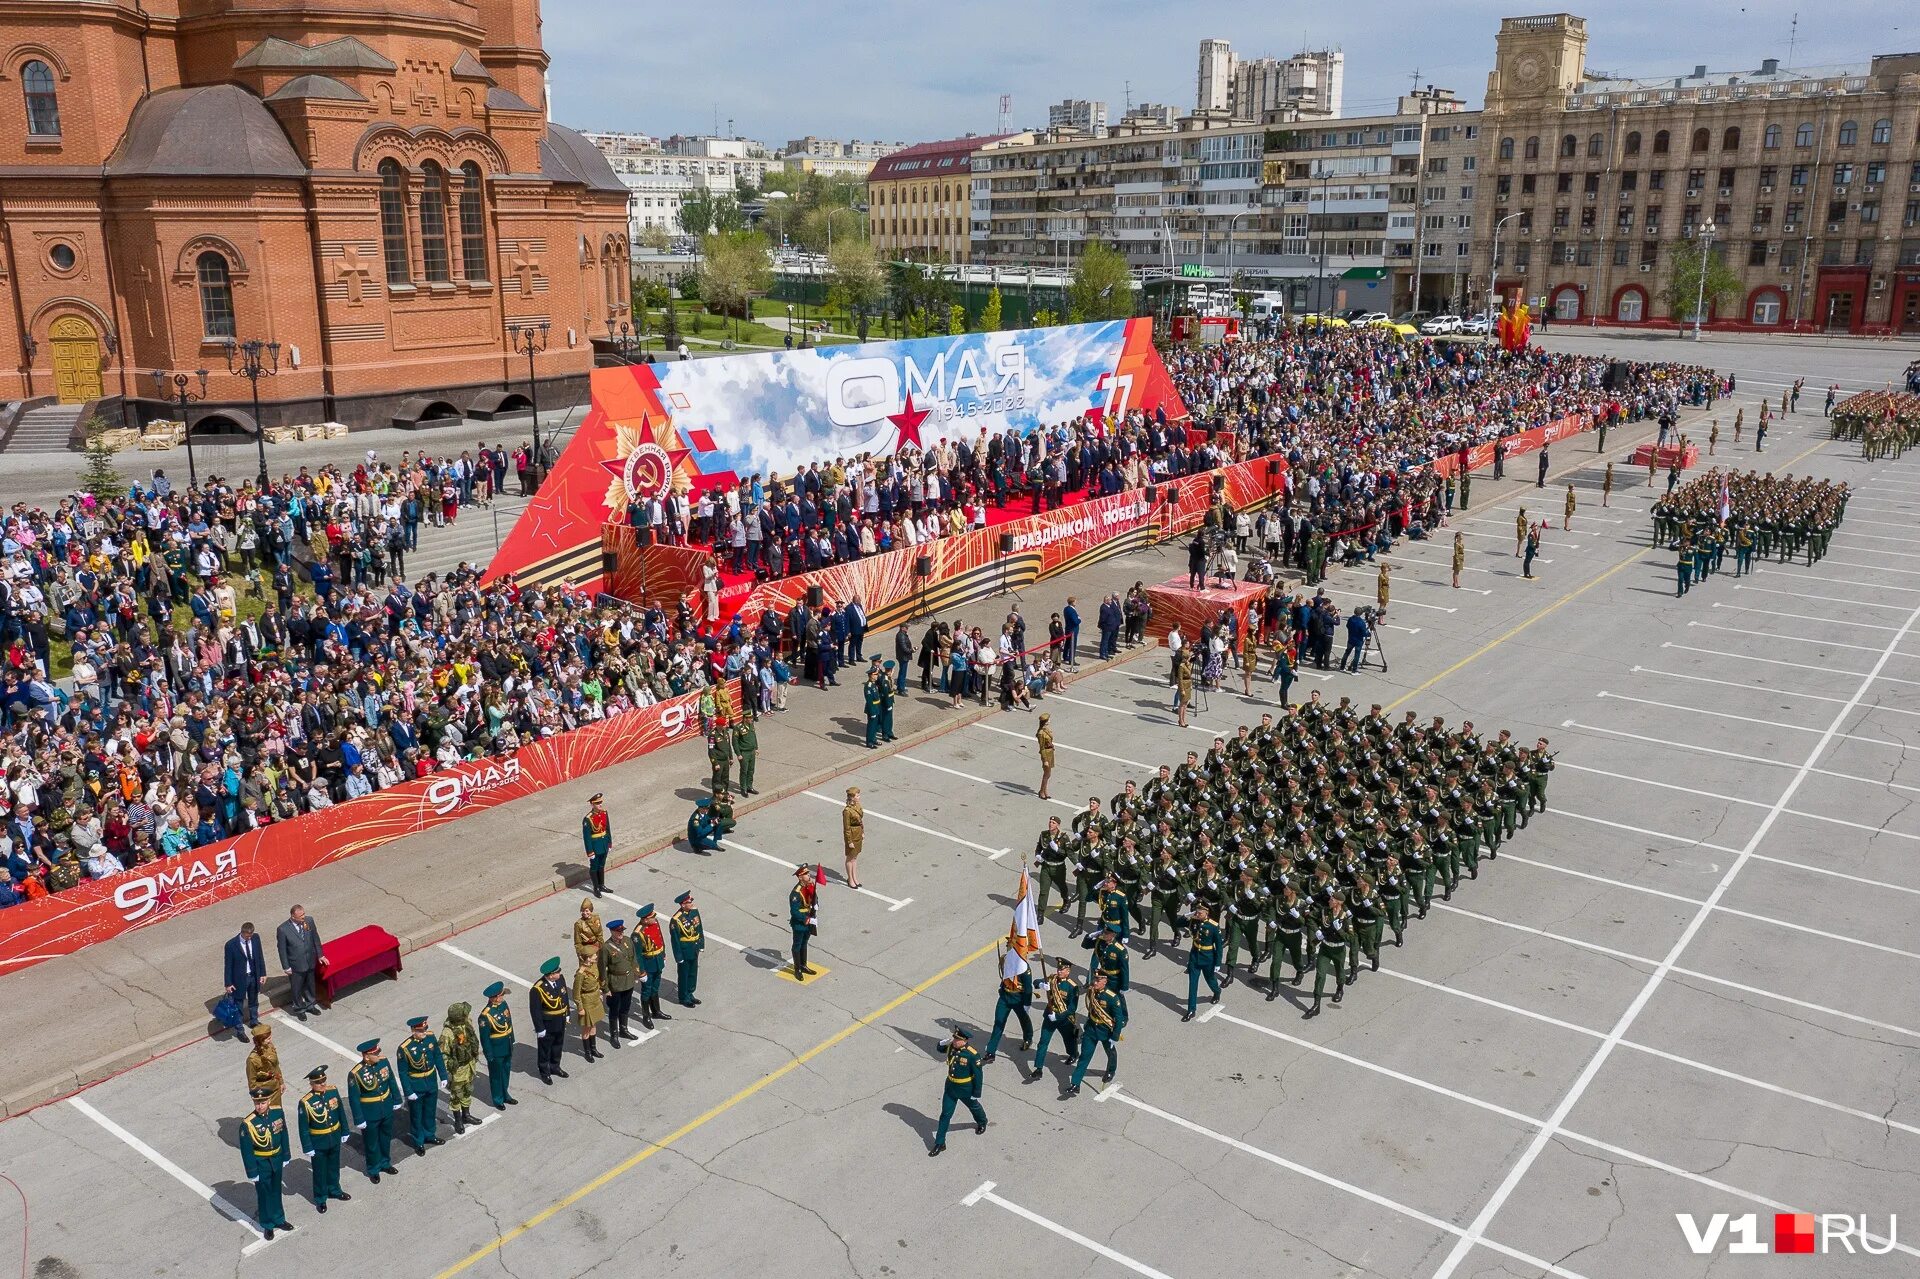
[(1367, 595), (969, 777), (1748, 719), (1830, 562), (1750, 759), (1795, 639), (1759, 857), (1827, 599), (1735, 799), (478, 962), (893, 903), (1769, 690), (1121, 710), (220, 1203), (1842, 581), (994, 854), (1335, 1183), (1774, 661), (1077, 750), (1771, 611), (985, 1193)]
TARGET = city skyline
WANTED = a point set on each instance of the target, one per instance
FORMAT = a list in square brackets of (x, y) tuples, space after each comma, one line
[(707, 74)]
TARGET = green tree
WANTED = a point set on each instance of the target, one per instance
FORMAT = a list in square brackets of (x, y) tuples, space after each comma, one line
[(656, 238), (735, 266), (856, 282), (99, 476), (696, 212), (728, 216), (1044, 319), (670, 328), (956, 318), (824, 225), (990, 313), (917, 288), (1685, 286), (1101, 287), (781, 218)]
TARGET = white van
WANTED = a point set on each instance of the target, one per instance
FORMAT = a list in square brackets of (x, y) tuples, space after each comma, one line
[(1267, 306)]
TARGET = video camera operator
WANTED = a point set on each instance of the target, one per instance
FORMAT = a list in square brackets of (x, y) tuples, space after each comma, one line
[(1360, 625)]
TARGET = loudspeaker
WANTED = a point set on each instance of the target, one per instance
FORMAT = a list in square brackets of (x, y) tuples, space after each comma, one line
[(1006, 543), (1273, 468), (815, 597), (1617, 376), (1153, 494), (923, 566), (608, 562)]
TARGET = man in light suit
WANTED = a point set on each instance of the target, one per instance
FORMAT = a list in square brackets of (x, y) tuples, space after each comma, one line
[(298, 941), (246, 965)]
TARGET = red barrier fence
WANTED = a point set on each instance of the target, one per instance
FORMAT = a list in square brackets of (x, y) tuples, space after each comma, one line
[(99, 909), (1481, 455)]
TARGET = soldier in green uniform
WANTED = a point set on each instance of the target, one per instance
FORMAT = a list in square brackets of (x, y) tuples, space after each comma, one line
[(703, 833), (689, 938), (460, 1050), (323, 1128), (422, 1069), (1203, 959), (1015, 993), (963, 1086), (720, 753), (1539, 766), (1052, 851), (887, 697), (1062, 1003), (548, 1003), (1106, 1021), (1369, 916), (720, 811), (651, 948), (596, 833), (619, 974), (746, 748), (1166, 894), (1290, 919), (372, 1097), (803, 919), (263, 1154), (1333, 939), (1111, 960), (1246, 907), (875, 698), (1115, 907), (496, 1042)]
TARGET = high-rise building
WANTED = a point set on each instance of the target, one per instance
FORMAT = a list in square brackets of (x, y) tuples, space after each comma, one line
[(1153, 113), (1309, 84), (1090, 117)]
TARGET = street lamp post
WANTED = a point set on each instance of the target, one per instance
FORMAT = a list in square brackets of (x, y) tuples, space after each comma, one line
[(256, 360), (1233, 223), (1493, 263), (1320, 286), (529, 340), (1700, 294), (183, 397)]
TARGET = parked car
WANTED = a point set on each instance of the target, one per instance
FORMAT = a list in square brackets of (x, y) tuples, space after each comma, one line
[(1415, 318), (1374, 317), (1442, 324), (1477, 327)]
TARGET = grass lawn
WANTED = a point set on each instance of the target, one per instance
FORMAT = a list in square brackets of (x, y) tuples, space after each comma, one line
[(695, 322)]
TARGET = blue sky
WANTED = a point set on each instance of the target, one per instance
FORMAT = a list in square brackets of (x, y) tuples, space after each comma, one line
[(912, 70)]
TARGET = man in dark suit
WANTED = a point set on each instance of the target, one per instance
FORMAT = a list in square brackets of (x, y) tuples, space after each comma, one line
[(246, 964), (298, 941)]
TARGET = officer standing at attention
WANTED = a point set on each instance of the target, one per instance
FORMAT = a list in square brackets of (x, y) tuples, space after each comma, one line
[(720, 752), (1062, 1002), (963, 1085), (1203, 959), (323, 1126), (689, 939), (263, 1154), (746, 747), (460, 1050), (421, 1070), (596, 832), (1106, 1019), (875, 698), (619, 974), (803, 918), (1459, 558), (548, 1003), (651, 948), (887, 696), (853, 834), (372, 1099), (496, 1043), (1566, 521), (1043, 735)]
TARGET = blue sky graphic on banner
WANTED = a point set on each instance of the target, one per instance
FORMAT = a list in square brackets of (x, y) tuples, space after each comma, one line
[(782, 410)]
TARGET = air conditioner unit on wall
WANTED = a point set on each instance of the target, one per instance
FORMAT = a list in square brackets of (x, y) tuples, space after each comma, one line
[(1646, 266), (1766, 190)]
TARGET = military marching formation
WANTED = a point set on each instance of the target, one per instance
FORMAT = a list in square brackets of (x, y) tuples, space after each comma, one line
[(1887, 423), (1748, 514)]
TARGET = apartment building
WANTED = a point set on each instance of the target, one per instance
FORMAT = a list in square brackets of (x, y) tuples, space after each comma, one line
[(1808, 177), (919, 198)]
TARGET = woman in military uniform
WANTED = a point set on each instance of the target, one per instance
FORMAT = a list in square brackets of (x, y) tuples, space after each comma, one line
[(1043, 735), (853, 834), (587, 933), (588, 1004), (263, 1065)]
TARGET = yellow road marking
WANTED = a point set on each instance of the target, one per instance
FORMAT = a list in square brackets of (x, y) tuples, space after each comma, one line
[(785, 973), (654, 1148), (1569, 597)]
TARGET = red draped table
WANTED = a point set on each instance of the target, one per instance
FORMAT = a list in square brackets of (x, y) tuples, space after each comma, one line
[(356, 956), (1176, 602), (1666, 456)]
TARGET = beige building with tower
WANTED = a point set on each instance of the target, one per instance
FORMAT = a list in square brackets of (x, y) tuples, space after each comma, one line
[(1804, 180)]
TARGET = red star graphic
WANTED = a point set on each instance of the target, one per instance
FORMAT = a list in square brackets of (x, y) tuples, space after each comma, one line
[(616, 467), (908, 420)]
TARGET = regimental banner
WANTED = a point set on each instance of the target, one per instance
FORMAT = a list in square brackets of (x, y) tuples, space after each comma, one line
[(695, 425), (96, 910), (970, 566), (1518, 445)]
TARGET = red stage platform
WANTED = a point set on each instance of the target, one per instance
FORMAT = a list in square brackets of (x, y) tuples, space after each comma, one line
[(1175, 602), (1688, 457), (356, 956)]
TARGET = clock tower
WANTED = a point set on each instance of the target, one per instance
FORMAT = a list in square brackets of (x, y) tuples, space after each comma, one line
[(1538, 62)]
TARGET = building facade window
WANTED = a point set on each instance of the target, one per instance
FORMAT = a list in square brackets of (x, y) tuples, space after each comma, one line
[(1662, 142), (43, 105), (1506, 148), (1730, 139), (1766, 308), (1770, 140), (1882, 132), (216, 297), (1849, 132), (1803, 134), (1569, 146), (1632, 146), (473, 223), (433, 224), (1633, 305), (393, 221), (1533, 148), (1701, 137)]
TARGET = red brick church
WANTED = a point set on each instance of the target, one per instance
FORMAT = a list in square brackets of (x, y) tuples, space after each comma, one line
[(372, 184)]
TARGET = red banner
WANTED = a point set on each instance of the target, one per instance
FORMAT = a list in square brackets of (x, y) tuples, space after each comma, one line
[(1175, 603), (99, 909), (1481, 455), (658, 573), (970, 567)]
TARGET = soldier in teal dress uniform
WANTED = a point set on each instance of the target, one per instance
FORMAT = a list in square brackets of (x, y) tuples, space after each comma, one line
[(1203, 959), (496, 1044), (596, 834), (1106, 1021), (422, 1070), (962, 1087), (372, 1097), (323, 1129), (263, 1154), (688, 938)]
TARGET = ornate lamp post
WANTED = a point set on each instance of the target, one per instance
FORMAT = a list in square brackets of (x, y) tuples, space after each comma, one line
[(529, 340), (253, 360), (182, 396)]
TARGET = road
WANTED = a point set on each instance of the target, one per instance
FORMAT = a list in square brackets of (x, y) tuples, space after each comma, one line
[(1687, 988)]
